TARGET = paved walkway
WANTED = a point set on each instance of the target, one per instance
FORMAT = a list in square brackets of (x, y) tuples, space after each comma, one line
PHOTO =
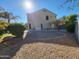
[(39, 35), (52, 37)]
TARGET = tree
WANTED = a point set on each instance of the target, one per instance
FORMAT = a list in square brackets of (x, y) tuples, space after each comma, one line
[(8, 16), (1, 9), (70, 4), (3, 24), (70, 23)]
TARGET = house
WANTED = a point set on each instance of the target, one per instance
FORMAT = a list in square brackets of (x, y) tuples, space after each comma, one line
[(60, 22), (41, 19)]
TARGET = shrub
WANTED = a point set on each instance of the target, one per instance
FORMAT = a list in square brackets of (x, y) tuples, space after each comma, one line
[(70, 23), (3, 31), (3, 26), (16, 29), (70, 27), (3, 36)]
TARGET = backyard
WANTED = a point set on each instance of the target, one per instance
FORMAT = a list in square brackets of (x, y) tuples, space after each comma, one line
[(62, 47), (39, 29)]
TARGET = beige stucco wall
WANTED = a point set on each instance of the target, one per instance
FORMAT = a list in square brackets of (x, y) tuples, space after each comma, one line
[(38, 18)]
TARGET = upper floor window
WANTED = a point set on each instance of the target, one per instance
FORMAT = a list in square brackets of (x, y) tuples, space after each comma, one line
[(47, 17)]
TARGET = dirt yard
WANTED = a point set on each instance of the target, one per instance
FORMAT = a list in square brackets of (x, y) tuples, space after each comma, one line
[(47, 51), (62, 47)]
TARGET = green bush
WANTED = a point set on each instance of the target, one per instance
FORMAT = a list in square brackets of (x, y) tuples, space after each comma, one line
[(70, 27), (16, 29), (3, 26), (3, 31), (70, 23), (3, 36)]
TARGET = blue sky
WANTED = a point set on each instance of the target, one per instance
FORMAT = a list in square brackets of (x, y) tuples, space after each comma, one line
[(15, 6)]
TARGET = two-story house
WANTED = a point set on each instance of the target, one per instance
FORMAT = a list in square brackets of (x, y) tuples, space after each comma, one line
[(41, 19)]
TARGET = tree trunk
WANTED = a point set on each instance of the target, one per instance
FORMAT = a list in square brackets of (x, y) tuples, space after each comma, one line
[(9, 20)]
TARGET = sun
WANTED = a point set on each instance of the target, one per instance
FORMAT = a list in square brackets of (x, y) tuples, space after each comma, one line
[(28, 5)]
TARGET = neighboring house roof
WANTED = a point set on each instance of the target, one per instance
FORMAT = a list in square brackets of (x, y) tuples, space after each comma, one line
[(62, 18), (43, 9)]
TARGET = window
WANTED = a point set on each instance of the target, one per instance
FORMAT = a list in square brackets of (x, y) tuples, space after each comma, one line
[(47, 17)]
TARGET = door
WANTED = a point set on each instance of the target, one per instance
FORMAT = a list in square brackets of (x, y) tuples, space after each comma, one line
[(41, 26), (29, 26)]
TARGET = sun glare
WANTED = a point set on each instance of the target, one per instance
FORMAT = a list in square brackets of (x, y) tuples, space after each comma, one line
[(28, 5)]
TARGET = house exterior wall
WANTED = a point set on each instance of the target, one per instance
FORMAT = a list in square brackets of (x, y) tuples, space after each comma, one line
[(38, 19)]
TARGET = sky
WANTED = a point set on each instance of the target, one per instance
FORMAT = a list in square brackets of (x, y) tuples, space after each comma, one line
[(20, 8)]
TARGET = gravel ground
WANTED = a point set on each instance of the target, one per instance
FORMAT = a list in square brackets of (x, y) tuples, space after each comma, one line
[(47, 51), (59, 48), (64, 47)]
